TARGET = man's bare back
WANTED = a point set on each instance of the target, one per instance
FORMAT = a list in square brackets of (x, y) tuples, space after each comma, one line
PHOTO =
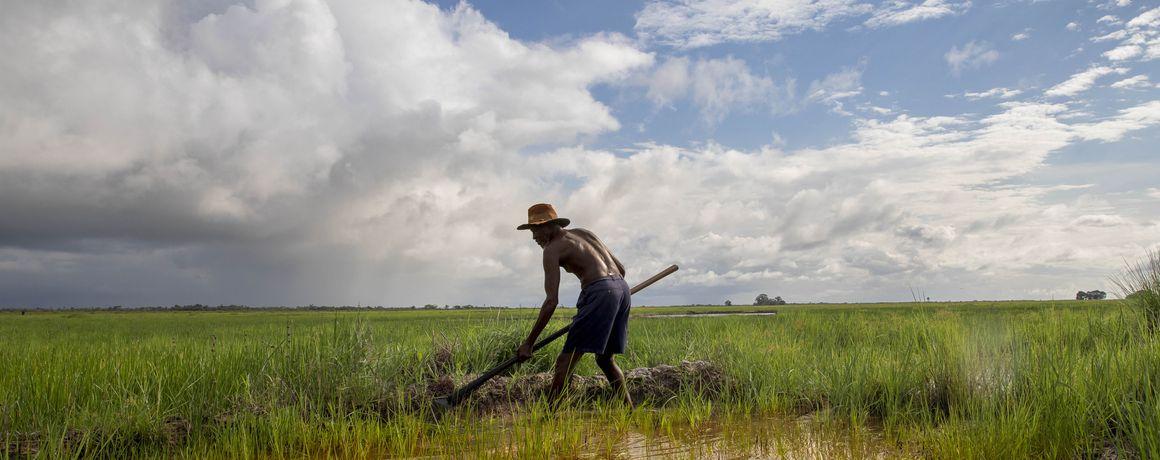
[(581, 253)]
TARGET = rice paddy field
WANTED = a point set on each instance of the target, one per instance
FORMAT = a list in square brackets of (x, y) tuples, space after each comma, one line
[(987, 380)]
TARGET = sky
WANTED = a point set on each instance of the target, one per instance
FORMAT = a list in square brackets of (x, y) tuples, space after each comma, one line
[(382, 152)]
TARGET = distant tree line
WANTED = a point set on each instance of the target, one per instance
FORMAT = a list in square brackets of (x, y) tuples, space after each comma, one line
[(432, 306), (763, 299), (234, 307)]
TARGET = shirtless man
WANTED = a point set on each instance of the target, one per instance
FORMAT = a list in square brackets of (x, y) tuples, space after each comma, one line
[(601, 322)]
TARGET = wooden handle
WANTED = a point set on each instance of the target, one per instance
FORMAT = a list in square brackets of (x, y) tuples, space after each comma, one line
[(666, 272)]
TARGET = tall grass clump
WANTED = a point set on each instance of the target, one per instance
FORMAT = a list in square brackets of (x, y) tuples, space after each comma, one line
[(1139, 284)]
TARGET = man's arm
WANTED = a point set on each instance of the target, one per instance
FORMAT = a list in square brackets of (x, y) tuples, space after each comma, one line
[(551, 299)]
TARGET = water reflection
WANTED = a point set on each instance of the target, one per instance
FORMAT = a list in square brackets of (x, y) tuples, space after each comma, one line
[(755, 438)]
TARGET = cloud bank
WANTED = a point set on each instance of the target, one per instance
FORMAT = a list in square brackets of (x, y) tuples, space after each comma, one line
[(343, 152), (274, 141)]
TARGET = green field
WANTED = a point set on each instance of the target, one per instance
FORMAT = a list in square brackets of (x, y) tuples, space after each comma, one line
[(1061, 379)]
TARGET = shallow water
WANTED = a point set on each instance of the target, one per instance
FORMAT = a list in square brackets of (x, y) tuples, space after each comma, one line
[(759, 437)]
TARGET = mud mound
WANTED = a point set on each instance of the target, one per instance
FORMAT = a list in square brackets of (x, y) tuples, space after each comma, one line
[(663, 382), (30, 443), (647, 385), (176, 429), (236, 409), (21, 443), (442, 360)]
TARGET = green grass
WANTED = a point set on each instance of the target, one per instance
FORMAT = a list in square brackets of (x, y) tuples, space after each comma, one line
[(964, 380)]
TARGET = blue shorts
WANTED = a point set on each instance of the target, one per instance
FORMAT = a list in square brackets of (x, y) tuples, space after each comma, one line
[(601, 322)]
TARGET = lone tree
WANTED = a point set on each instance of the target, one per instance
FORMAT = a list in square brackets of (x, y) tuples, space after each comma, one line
[(1091, 295), (728, 303), (763, 299)]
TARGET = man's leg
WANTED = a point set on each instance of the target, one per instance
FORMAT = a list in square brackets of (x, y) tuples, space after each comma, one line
[(564, 365), (615, 378)]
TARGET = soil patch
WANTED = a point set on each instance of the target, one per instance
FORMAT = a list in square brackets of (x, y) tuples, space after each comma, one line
[(176, 429), (647, 385), (21, 443)]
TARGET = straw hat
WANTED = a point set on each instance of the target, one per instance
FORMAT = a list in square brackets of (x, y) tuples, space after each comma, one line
[(543, 213)]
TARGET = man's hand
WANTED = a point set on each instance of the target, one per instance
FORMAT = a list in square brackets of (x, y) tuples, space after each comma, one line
[(524, 352)]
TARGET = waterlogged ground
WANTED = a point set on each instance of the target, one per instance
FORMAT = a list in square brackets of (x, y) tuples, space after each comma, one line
[(761, 437), (968, 380), (756, 437)]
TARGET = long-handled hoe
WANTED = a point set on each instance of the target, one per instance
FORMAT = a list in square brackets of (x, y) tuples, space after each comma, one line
[(445, 403)]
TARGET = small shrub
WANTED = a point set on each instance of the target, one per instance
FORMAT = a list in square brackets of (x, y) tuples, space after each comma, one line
[(1139, 284)]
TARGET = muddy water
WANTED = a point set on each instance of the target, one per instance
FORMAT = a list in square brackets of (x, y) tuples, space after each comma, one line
[(758, 438), (761, 437)]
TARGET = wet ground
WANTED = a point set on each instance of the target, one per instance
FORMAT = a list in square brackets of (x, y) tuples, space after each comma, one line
[(759, 437)]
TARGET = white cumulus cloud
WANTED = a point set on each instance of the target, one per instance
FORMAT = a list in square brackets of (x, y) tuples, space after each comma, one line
[(1001, 93), (717, 87), (1082, 81), (698, 23), (1134, 82), (835, 87), (898, 12), (1139, 38), (972, 55)]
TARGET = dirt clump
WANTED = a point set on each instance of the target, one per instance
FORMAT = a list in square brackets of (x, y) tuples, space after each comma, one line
[(442, 360), (421, 394), (663, 382), (511, 390), (74, 441), (1111, 452), (416, 397), (650, 385), (176, 429), (21, 443), (237, 409)]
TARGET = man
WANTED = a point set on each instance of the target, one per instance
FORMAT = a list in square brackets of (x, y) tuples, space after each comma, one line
[(601, 322)]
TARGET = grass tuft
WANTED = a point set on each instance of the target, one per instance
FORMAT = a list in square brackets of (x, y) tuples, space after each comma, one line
[(1139, 284)]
